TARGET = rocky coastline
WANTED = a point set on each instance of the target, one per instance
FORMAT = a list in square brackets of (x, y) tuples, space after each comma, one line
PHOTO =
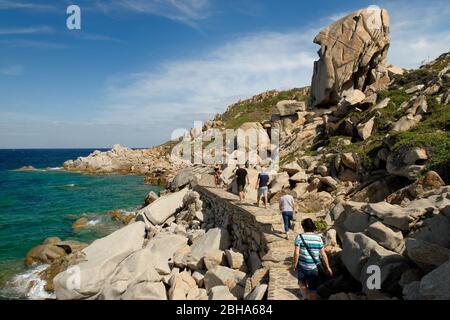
[(365, 155)]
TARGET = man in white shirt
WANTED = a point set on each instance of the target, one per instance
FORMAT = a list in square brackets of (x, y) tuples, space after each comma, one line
[(287, 208)]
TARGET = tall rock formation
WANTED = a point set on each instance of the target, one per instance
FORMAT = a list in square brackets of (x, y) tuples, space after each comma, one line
[(352, 56)]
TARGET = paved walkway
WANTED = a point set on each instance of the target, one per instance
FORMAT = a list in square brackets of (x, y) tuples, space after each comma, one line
[(282, 280)]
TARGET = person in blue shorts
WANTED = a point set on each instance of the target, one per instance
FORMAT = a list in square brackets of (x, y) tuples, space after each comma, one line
[(262, 185), (309, 253)]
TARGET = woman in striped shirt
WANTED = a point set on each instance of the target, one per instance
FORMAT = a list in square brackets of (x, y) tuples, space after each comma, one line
[(309, 252)]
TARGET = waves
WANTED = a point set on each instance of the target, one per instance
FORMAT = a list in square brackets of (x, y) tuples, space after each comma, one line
[(27, 285)]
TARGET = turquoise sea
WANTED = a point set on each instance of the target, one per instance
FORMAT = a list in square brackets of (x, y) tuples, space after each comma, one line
[(38, 204)]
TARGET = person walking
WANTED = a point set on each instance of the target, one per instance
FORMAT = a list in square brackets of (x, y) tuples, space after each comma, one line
[(262, 185), (218, 176), (309, 254), (241, 176), (287, 208)]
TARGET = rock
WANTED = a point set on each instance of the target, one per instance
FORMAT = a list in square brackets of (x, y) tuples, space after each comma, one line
[(220, 293), (394, 70), (44, 254), (162, 248), (292, 168), (434, 230), (213, 258), (258, 292), (316, 201), (348, 159), (359, 252), (181, 285), (300, 190), (434, 89), (330, 182), (279, 182), (409, 276), (102, 257), (406, 123), (386, 237), (151, 197), (394, 215), (135, 269), (198, 277), (436, 284), (356, 221), (423, 252), (223, 276), (164, 207), (289, 107), (352, 52), (365, 129), (214, 239), (254, 262), (353, 97), (323, 171), (331, 237), (80, 223), (419, 106), (382, 104), (299, 177), (146, 291), (407, 162), (348, 175), (414, 89), (51, 250), (411, 291), (430, 181), (51, 240), (235, 259), (183, 178)]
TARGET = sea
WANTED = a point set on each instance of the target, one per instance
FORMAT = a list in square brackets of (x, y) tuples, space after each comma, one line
[(42, 203)]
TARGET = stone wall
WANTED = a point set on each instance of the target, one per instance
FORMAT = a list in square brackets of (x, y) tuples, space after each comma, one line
[(246, 230)]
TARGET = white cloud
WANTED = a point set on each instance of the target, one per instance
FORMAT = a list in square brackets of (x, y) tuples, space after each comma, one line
[(182, 91), (184, 11), (27, 30), (14, 70), (8, 5), (419, 31)]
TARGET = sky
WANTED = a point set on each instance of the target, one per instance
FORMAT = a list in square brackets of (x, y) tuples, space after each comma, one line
[(139, 69)]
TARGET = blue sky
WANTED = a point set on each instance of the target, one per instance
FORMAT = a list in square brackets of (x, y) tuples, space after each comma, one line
[(138, 69)]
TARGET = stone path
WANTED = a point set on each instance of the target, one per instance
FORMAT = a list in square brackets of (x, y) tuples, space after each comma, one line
[(278, 259)]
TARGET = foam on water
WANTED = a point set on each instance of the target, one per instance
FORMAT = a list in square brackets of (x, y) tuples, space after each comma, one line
[(29, 284)]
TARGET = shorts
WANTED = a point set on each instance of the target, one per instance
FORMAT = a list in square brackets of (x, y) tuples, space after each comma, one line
[(263, 191), (241, 187), (309, 277)]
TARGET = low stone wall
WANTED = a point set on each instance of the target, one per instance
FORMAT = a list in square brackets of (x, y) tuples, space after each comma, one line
[(221, 210)]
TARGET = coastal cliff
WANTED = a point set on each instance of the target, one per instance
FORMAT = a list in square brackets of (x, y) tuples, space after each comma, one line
[(365, 153)]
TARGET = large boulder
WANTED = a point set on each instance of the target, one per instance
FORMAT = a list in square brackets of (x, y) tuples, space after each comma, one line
[(385, 236), (86, 279), (213, 239), (183, 178), (220, 293), (426, 253), (279, 182), (352, 55), (224, 276), (163, 208), (289, 107), (407, 162), (394, 215), (146, 291), (359, 252), (436, 284), (51, 250)]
